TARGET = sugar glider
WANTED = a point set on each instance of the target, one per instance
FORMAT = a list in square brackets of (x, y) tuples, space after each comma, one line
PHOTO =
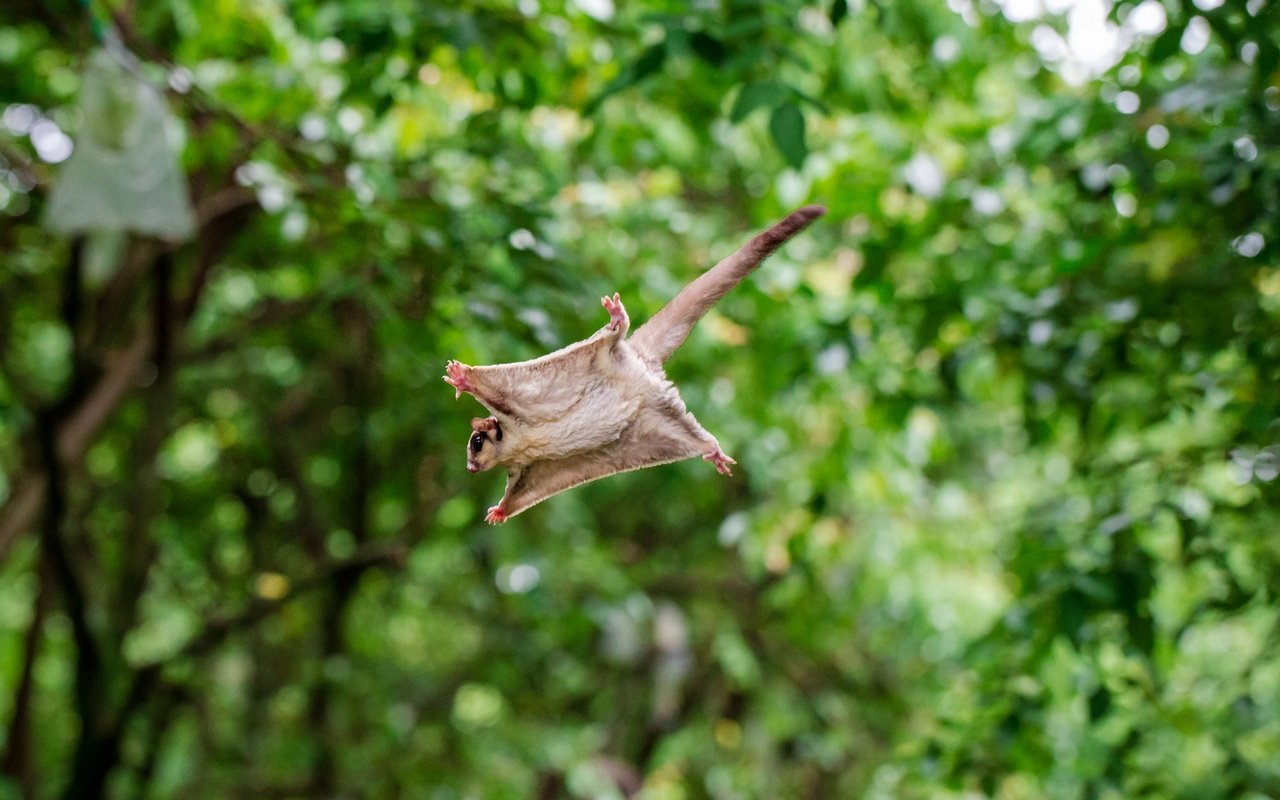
[(602, 405)]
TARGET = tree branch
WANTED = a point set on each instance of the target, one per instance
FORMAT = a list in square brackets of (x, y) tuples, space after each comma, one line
[(119, 375), (88, 769), (139, 545), (73, 436), (17, 761)]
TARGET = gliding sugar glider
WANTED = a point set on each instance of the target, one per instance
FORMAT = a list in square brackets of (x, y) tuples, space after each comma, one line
[(602, 405)]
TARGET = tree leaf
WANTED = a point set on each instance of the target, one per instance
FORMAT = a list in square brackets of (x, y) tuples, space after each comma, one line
[(1220, 25), (757, 95), (1268, 58), (708, 48), (839, 10), (787, 127), (813, 101), (647, 63), (1166, 44)]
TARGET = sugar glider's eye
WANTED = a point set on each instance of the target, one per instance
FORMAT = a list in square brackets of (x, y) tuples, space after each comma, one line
[(477, 442)]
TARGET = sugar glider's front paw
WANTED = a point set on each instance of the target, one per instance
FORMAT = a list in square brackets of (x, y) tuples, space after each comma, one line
[(456, 376), (497, 514), (617, 313), (720, 460)]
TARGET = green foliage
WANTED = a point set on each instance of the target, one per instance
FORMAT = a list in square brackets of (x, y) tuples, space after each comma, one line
[(786, 125), (1007, 422)]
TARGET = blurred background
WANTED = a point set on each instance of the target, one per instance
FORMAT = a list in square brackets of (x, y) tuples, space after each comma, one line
[(1005, 522)]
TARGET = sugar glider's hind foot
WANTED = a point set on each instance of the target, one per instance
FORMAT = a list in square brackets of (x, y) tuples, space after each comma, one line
[(617, 313), (720, 460), (456, 376), (497, 514)]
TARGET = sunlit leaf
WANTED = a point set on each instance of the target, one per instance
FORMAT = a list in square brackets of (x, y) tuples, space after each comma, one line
[(1167, 43), (787, 128), (766, 94)]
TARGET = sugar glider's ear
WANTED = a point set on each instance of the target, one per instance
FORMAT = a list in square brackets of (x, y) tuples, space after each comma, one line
[(487, 425)]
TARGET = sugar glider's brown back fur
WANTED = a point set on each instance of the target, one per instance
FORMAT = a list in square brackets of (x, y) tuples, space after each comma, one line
[(603, 405)]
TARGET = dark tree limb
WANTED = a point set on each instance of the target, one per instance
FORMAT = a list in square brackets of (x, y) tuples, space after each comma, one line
[(93, 758), (332, 638), (98, 395), (73, 433), (139, 546), (17, 762), (161, 714)]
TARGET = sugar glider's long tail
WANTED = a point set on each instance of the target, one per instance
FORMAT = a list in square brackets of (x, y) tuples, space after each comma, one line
[(665, 331)]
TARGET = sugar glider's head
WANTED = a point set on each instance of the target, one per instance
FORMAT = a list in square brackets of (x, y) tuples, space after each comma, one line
[(484, 448)]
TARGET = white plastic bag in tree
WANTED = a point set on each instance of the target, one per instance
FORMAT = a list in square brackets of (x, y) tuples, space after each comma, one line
[(124, 173)]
